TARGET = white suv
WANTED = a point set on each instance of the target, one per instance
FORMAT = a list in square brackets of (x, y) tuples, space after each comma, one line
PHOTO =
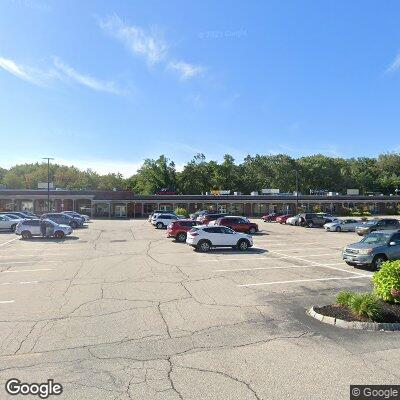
[(204, 237), (8, 223), (161, 221), (31, 227)]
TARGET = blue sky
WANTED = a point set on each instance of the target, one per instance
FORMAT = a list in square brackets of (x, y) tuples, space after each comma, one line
[(105, 84)]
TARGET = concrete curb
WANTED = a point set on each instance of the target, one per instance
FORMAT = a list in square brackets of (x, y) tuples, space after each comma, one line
[(366, 326)]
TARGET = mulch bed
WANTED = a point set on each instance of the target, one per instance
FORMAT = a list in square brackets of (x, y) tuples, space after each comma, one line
[(390, 313)]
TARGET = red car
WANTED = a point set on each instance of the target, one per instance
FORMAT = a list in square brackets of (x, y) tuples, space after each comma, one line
[(178, 229), (270, 217), (282, 218), (238, 224)]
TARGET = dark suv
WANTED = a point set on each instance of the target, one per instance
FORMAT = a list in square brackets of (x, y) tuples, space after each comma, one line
[(312, 220), (377, 225), (64, 219)]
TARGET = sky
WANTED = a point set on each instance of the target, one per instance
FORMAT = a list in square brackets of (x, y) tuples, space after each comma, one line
[(106, 84)]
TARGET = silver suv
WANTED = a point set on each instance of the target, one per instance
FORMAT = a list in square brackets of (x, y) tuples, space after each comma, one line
[(31, 227), (374, 249)]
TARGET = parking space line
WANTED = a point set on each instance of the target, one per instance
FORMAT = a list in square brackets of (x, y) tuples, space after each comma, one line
[(304, 280), (26, 262), (244, 258), (26, 270), (321, 265), (6, 301), (18, 283), (12, 240), (268, 268)]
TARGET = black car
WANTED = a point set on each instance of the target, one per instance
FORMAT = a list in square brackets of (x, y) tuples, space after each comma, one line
[(312, 220)]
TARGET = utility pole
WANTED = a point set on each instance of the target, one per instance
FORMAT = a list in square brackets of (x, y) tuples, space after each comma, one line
[(48, 181), (297, 191)]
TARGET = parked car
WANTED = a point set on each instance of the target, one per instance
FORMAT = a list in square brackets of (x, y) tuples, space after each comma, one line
[(19, 214), (204, 237), (312, 220), (64, 219), (238, 224), (377, 225), (31, 227), (84, 217), (8, 224), (374, 249), (271, 217), (157, 212), (205, 219), (295, 220), (283, 218), (179, 229), (161, 221), (342, 225)]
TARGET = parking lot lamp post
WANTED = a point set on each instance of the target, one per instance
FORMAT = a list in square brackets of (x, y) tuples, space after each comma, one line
[(297, 190), (48, 181)]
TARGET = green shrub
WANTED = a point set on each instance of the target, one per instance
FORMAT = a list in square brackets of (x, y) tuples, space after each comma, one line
[(386, 279), (343, 298), (181, 211), (365, 305)]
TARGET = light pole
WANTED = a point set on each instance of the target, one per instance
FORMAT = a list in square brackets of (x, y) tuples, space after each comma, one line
[(297, 190), (48, 181)]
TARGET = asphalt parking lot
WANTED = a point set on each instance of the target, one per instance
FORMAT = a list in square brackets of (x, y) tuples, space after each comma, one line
[(118, 311)]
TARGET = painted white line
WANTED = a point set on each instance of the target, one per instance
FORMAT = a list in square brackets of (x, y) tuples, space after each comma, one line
[(321, 265), (6, 301), (26, 262), (305, 280), (34, 255), (268, 268), (26, 270), (244, 258), (18, 283), (12, 240)]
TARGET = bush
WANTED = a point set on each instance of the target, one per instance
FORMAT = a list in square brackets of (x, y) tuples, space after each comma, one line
[(365, 305), (386, 279), (181, 211), (343, 298)]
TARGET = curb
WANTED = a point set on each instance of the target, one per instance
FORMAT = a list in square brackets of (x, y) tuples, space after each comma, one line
[(366, 326)]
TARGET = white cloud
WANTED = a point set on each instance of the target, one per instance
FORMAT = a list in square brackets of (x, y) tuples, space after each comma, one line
[(185, 70), (395, 65), (28, 74), (146, 44), (85, 80), (59, 71)]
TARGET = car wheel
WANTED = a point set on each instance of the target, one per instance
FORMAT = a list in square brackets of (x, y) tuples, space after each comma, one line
[(349, 263), (59, 234), (159, 225), (243, 245), (181, 237), (310, 224), (26, 235), (204, 246), (13, 227), (74, 225), (378, 261), (252, 231), (338, 229), (296, 223)]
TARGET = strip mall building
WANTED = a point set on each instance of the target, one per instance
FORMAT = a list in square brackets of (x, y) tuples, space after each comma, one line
[(126, 204)]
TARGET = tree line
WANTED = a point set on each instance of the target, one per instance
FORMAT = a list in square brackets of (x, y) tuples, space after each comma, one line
[(198, 176)]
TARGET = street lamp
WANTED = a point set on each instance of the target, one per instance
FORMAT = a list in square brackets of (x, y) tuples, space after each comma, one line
[(48, 181), (297, 190)]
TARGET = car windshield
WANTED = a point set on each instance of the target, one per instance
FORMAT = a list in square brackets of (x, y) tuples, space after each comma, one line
[(50, 222), (376, 238)]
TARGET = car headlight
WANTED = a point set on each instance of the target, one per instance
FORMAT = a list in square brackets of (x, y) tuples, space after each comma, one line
[(365, 251)]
